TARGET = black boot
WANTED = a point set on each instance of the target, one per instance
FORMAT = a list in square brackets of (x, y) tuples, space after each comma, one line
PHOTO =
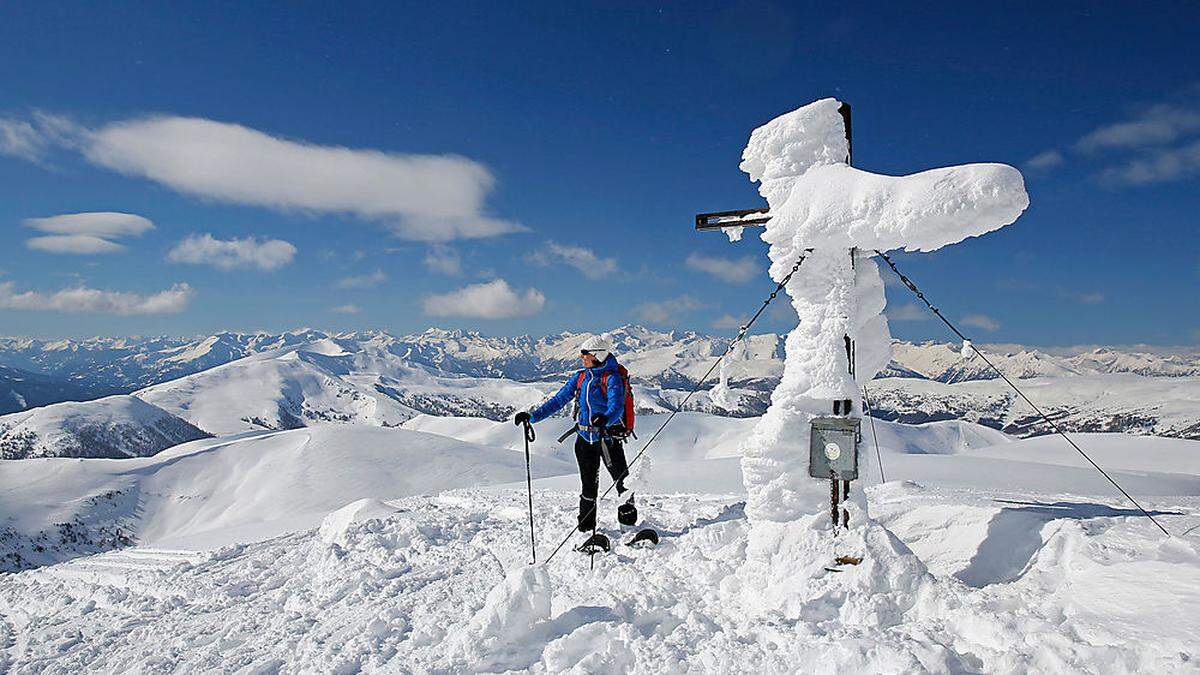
[(587, 514), (627, 512)]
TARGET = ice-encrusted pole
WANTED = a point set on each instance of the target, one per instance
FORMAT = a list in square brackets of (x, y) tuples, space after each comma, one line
[(818, 201)]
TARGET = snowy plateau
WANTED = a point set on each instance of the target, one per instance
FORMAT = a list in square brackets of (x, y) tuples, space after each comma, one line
[(314, 502)]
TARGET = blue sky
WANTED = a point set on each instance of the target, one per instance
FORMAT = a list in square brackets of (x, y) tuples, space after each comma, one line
[(499, 149)]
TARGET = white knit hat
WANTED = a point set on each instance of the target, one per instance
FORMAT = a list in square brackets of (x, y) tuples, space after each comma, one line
[(597, 346)]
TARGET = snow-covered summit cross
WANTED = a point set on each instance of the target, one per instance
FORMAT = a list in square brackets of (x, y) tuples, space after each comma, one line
[(817, 201)]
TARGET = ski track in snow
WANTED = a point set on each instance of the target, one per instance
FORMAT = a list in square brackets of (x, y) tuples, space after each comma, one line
[(1019, 583)]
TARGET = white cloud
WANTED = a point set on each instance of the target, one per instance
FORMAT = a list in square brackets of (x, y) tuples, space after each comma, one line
[(1045, 160), (82, 299), (19, 138), (85, 233), (582, 259), (733, 270), (106, 224), (1091, 298), (363, 281), (982, 321), (491, 300), (443, 260), (666, 311), (435, 229), (78, 244), (726, 321), (419, 197), (1158, 125), (204, 249), (1156, 167), (909, 312), (346, 309)]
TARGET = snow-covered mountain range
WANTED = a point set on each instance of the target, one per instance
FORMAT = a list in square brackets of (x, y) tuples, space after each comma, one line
[(671, 359), (235, 382)]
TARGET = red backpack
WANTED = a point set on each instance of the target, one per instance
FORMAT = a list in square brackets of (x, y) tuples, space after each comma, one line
[(627, 418)]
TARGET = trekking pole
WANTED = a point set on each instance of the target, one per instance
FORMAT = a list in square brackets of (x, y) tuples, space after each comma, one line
[(530, 436), (596, 504)]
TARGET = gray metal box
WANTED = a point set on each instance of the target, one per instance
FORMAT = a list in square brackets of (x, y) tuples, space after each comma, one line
[(833, 448)]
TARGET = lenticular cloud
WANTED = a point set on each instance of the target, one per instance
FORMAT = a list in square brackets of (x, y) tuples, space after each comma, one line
[(417, 196)]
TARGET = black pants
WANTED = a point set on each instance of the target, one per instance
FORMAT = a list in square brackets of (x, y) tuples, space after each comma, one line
[(590, 455)]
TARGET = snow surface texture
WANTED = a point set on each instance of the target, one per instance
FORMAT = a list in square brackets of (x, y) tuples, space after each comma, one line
[(817, 201), (985, 578), (233, 489)]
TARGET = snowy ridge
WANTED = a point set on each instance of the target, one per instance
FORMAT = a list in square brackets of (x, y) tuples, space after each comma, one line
[(289, 389), (114, 427)]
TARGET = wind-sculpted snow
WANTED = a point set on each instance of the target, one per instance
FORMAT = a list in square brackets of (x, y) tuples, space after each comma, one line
[(833, 216)]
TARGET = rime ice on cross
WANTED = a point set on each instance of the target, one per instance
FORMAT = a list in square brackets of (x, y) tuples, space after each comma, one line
[(819, 202)]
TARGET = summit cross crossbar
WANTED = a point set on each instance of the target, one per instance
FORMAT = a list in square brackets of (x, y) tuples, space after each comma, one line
[(719, 220)]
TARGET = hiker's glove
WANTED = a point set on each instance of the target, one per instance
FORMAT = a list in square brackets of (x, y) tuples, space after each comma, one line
[(599, 421), (521, 418), (618, 430)]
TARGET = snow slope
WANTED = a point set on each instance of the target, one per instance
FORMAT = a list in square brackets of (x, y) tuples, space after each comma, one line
[(998, 582), (990, 555), (216, 492), (116, 426)]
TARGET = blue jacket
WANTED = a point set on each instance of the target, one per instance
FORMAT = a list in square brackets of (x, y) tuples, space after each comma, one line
[(590, 397)]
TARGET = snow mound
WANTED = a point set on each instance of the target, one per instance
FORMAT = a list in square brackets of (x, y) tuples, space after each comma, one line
[(334, 526), (113, 427)]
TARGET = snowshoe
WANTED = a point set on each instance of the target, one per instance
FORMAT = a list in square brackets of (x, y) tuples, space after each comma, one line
[(597, 543), (586, 520), (627, 513), (644, 539)]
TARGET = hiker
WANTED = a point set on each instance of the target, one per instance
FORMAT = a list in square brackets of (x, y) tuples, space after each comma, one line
[(599, 393)]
